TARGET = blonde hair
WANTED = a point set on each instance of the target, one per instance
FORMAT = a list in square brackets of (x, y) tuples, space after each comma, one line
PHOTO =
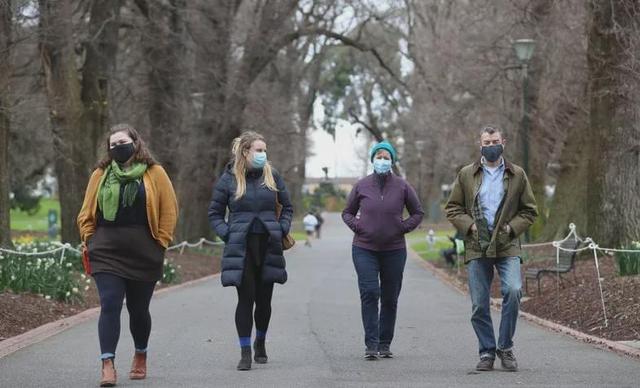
[(239, 147)]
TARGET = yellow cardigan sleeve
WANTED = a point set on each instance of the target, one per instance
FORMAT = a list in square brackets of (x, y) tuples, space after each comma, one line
[(87, 217), (167, 206)]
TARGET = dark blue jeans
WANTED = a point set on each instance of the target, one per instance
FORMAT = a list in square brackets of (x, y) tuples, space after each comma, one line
[(480, 277), (380, 281)]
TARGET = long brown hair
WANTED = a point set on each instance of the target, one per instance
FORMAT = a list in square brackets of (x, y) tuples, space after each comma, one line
[(239, 149), (141, 153)]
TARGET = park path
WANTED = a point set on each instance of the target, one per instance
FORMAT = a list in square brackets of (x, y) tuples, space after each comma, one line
[(315, 339)]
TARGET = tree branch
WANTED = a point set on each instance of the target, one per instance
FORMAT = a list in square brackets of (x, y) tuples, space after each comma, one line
[(347, 41)]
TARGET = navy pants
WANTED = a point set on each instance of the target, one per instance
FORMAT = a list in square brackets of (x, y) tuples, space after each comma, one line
[(380, 281), (112, 290)]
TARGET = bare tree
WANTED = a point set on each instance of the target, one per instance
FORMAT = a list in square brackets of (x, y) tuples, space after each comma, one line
[(165, 51), (225, 87), (6, 69), (78, 101), (614, 131)]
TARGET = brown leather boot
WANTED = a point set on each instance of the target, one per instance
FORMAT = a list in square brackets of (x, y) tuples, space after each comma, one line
[(138, 366), (109, 375)]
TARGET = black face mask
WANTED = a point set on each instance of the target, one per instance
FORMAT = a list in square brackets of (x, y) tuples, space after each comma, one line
[(122, 152), (492, 153)]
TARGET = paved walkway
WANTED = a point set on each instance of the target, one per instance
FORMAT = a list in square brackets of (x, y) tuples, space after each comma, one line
[(315, 339)]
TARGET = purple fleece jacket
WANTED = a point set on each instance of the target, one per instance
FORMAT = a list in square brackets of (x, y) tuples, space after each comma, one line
[(381, 200)]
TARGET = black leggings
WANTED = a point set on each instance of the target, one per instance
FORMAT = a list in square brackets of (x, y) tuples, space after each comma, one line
[(252, 291), (112, 290)]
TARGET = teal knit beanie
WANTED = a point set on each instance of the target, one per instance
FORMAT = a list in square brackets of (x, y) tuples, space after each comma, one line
[(384, 145)]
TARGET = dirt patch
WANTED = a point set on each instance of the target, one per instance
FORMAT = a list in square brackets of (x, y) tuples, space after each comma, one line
[(575, 302), (22, 312)]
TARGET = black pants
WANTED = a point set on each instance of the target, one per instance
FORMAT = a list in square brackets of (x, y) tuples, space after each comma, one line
[(449, 256), (112, 290), (252, 291)]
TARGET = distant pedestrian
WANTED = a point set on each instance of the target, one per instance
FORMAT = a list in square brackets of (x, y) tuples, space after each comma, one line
[(126, 223), (310, 223), (320, 219), (252, 260), (449, 254), (379, 247), (492, 205)]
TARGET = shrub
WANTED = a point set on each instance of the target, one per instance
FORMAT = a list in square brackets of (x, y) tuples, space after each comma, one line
[(169, 272), (629, 262), (51, 275)]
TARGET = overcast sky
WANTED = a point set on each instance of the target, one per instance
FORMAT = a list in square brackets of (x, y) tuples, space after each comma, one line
[(345, 156)]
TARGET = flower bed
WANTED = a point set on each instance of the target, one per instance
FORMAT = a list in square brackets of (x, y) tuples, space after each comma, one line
[(20, 312), (53, 272)]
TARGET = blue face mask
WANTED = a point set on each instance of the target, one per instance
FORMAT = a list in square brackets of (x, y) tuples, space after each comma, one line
[(382, 166), (259, 159)]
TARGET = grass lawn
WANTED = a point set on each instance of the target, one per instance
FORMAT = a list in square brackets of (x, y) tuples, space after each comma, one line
[(299, 236), (417, 240), (38, 222)]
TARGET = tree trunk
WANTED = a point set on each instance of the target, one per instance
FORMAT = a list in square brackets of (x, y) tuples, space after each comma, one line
[(165, 52), (98, 69), (570, 198), (614, 136), (72, 146), (77, 108), (540, 152), (212, 38), (6, 69)]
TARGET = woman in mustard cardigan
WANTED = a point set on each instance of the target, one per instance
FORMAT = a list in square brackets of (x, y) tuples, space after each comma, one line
[(126, 223)]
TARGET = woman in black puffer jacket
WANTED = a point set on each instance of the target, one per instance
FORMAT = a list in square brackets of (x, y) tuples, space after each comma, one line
[(252, 260)]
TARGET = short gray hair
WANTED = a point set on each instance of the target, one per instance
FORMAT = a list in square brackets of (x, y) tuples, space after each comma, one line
[(491, 129)]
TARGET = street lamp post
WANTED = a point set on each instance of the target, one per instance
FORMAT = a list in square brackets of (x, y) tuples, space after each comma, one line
[(524, 51), (419, 147)]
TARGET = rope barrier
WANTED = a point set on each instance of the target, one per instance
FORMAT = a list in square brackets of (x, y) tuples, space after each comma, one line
[(64, 247), (199, 244), (590, 246)]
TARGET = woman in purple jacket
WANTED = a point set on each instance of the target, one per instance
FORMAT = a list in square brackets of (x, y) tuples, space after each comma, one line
[(379, 248)]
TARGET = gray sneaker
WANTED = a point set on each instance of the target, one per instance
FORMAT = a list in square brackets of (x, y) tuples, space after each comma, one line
[(384, 351), (485, 364), (371, 354), (508, 360)]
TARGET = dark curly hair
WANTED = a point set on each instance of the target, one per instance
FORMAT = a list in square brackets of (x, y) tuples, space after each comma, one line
[(141, 153)]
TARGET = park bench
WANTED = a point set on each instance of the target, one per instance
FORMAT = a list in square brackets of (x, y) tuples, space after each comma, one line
[(566, 264)]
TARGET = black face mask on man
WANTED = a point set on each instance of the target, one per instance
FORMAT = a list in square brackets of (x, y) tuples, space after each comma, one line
[(492, 153), (122, 152)]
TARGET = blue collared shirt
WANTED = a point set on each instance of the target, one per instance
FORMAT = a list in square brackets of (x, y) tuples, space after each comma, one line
[(491, 191)]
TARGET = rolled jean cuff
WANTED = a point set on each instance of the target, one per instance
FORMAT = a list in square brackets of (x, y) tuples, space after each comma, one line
[(488, 355), (105, 356)]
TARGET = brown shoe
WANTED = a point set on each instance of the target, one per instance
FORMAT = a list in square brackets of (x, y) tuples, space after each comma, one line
[(108, 373), (138, 366)]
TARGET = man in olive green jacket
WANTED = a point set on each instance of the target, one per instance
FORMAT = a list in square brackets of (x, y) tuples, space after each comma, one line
[(492, 205)]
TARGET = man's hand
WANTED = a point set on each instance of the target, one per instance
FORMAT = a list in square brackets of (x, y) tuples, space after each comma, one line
[(473, 228), (507, 229)]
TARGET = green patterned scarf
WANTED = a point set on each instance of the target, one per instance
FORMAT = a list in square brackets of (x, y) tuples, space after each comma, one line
[(109, 189)]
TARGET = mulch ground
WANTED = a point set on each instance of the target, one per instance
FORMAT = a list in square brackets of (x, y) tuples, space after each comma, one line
[(576, 301), (22, 312)]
